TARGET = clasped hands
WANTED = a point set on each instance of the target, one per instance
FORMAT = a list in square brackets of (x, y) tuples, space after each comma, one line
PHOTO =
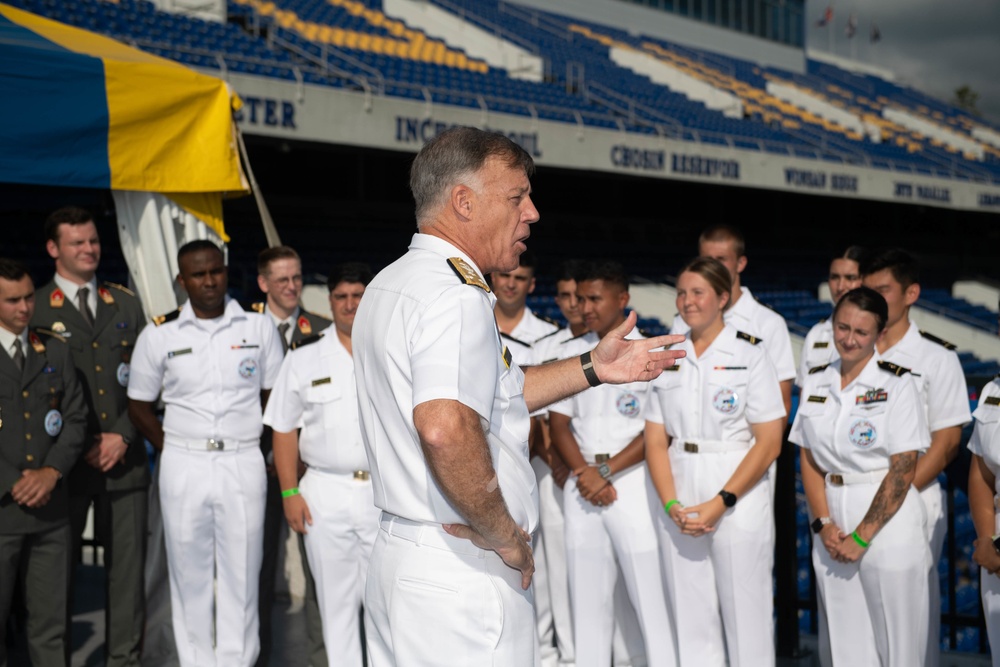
[(698, 520)]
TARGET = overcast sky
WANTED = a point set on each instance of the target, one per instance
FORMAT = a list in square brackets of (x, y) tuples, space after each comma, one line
[(934, 46)]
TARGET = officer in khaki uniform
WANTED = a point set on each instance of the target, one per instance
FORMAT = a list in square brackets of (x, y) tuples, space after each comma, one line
[(279, 276), (42, 424), (113, 472)]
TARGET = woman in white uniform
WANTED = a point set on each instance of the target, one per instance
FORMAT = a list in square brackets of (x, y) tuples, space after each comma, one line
[(713, 426), (861, 427), (983, 474)]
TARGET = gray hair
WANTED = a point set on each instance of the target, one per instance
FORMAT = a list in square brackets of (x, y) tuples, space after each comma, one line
[(455, 155)]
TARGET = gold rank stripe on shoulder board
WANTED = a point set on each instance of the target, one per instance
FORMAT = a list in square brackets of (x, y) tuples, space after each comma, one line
[(818, 369), (105, 295), (468, 274), (991, 400), (816, 399), (674, 368), (893, 368), (940, 341), (168, 317), (753, 340), (508, 358), (257, 307)]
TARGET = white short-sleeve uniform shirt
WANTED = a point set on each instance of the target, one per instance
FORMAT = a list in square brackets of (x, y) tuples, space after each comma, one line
[(606, 418), (718, 396), (211, 372), (524, 340), (424, 333), (752, 317), (985, 440), (316, 391), (817, 350), (857, 429)]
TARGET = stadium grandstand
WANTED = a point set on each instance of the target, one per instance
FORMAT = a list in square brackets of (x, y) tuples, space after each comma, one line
[(647, 120)]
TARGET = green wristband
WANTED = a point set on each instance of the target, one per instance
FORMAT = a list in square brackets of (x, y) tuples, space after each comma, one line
[(861, 542), (666, 508), (288, 493)]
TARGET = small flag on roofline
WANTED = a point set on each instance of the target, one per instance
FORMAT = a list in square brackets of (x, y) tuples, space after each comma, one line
[(875, 35), (826, 18), (852, 26)]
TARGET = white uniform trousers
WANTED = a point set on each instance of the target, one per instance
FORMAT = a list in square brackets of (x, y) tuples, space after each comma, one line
[(552, 588), (595, 538), (989, 590), (213, 524), (338, 545), (435, 599), (720, 585), (935, 506), (877, 607)]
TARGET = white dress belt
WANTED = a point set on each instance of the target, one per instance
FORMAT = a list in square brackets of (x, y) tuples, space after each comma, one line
[(700, 446), (850, 478)]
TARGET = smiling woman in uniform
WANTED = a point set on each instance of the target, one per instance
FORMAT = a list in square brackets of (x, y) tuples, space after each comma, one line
[(713, 426), (861, 426)]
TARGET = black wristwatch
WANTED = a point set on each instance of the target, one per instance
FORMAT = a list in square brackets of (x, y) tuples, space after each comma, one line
[(819, 522), (728, 499), (996, 542), (604, 470)]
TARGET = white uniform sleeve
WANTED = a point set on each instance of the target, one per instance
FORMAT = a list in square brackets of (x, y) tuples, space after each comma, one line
[(906, 427), (453, 351), (987, 416), (271, 354), (803, 371), (764, 401), (947, 395), (286, 406), (779, 348), (145, 378), (653, 411), (567, 407), (679, 326)]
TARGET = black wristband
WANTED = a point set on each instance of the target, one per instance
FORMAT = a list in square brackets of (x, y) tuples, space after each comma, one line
[(588, 370)]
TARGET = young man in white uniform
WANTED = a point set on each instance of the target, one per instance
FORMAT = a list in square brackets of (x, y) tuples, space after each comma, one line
[(444, 416), (818, 348), (599, 433), (213, 365), (521, 330), (332, 506), (935, 366)]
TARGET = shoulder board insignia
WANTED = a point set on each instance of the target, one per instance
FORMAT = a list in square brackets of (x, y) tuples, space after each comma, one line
[(821, 345), (36, 342), (257, 307), (120, 288), (992, 400), (818, 369), (816, 399), (893, 368), (514, 340), (508, 358), (56, 298), (768, 306), (823, 320), (308, 340), (105, 295), (51, 333), (934, 339), (169, 317), (546, 318), (467, 273), (305, 326), (753, 340)]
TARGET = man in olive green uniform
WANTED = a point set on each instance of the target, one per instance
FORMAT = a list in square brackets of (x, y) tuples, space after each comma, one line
[(42, 425), (101, 322), (279, 276)]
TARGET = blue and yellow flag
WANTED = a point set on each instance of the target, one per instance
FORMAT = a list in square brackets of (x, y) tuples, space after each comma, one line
[(84, 110)]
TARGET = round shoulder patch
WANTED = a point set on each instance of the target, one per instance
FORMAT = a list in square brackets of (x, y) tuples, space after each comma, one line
[(53, 422)]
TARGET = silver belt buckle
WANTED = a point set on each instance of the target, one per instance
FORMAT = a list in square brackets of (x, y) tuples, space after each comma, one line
[(691, 447), (362, 475), (217, 445), (601, 458), (836, 480)]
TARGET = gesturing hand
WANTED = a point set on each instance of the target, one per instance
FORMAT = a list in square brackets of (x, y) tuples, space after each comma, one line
[(618, 360)]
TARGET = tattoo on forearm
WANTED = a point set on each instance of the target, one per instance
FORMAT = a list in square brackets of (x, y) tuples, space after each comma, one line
[(893, 490)]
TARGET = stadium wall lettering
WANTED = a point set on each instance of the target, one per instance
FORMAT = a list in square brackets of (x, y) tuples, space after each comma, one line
[(637, 158), (987, 200), (267, 111), (411, 130), (697, 165), (927, 193)]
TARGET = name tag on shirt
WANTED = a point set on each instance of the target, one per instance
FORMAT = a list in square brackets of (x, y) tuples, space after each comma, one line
[(816, 399), (177, 353), (821, 345), (992, 400), (320, 381)]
